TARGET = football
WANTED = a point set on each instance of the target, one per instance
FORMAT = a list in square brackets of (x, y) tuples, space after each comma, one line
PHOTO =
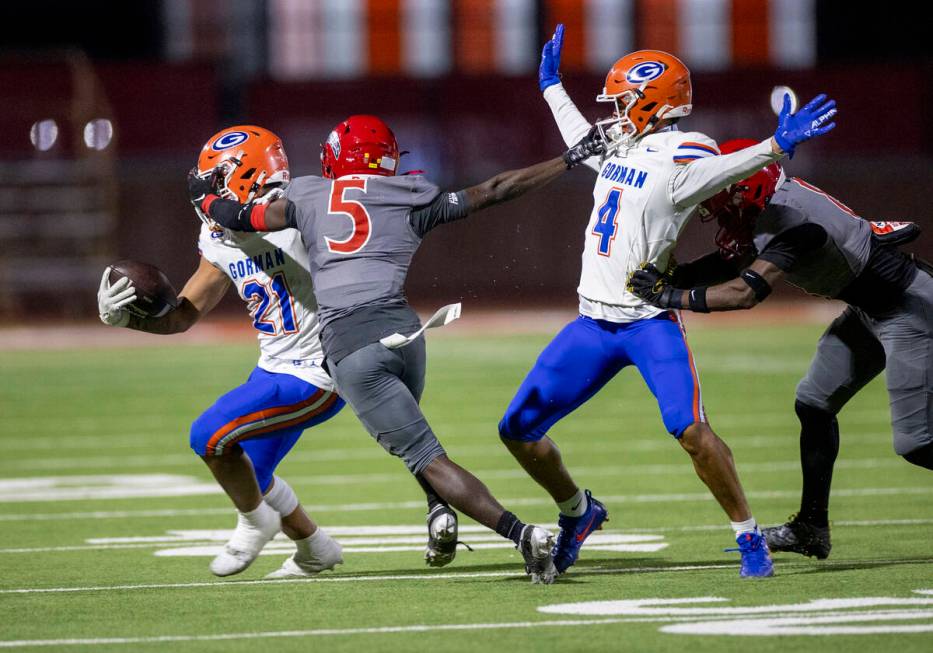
[(155, 295)]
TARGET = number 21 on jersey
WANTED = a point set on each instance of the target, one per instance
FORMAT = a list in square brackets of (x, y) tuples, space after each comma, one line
[(607, 225), (353, 209), (263, 299)]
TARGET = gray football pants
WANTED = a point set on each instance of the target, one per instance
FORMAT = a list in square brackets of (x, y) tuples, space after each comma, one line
[(856, 347), (383, 387)]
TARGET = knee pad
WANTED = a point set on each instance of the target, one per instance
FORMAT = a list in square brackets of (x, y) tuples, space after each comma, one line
[(922, 457), (815, 420)]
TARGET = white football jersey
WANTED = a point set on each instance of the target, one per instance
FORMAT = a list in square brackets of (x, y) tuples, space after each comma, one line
[(270, 273), (633, 221), (643, 198)]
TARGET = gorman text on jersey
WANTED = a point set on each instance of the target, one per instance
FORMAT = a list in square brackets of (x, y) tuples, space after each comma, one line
[(624, 175), (258, 263)]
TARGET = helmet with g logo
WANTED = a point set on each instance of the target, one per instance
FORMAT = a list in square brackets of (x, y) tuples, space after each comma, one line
[(646, 87), (247, 158)]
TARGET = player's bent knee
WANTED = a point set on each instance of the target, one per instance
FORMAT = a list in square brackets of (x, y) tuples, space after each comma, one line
[(199, 436), (516, 428), (808, 413), (415, 444), (921, 456), (678, 422)]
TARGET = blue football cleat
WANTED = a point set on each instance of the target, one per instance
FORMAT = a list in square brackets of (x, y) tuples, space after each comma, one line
[(574, 531), (756, 558)]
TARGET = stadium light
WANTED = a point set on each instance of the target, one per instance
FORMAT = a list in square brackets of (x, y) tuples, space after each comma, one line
[(98, 133), (43, 134)]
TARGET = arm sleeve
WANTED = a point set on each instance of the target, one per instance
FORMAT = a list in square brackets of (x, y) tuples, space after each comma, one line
[(788, 246), (291, 214), (446, 207), (696, 180), (707, 270), (571, 123)]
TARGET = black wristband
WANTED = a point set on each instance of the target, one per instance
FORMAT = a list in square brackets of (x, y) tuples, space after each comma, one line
[(231, 214), (757, 283), (698, 300)]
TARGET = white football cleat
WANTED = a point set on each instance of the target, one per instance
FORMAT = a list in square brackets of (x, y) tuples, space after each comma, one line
[(253, 531), (325, 553), (536, 545)]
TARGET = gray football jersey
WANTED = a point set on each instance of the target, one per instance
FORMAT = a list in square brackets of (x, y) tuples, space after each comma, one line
[(826, 270), (359, 237)]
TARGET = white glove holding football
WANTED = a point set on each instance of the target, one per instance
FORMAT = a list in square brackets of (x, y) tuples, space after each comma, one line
[(112, 298)]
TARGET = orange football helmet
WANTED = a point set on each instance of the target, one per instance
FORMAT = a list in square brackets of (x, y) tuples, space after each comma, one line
[(247, 158), (646, 87)]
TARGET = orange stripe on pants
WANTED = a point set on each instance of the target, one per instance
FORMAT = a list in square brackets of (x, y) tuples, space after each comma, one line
[(256, 416), (697, 412)]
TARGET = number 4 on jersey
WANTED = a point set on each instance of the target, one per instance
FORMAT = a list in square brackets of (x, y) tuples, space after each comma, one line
[(606, 225)]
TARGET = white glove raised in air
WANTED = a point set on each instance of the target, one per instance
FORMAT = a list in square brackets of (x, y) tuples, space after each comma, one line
[(112, 298)]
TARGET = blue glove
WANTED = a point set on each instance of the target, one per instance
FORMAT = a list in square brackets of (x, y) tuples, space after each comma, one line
[(550, 59), (810, 121)]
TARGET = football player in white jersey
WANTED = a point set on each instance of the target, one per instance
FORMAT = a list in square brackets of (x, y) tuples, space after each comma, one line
[(648, 185), (248, 431)]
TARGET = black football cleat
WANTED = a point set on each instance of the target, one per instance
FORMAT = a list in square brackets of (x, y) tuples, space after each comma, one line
[(799, 537)]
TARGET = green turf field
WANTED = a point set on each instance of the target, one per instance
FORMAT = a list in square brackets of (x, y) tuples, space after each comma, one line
[(109, 521)]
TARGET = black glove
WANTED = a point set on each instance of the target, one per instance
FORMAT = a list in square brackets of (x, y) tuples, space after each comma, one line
[(199, 187), (590, 145), (653, 286)]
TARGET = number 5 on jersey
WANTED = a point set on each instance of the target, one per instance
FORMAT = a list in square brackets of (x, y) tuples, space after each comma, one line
[(607, 225), (353, 209)]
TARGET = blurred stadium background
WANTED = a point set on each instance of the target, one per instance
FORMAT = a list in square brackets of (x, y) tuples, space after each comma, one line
[(104, 107)]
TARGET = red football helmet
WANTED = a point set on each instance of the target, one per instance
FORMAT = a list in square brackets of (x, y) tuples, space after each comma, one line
[(736, 207), (361, 145), (247, 158)]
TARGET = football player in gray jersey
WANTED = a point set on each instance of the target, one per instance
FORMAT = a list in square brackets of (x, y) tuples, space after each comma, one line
[(362, 223), (772, 228)]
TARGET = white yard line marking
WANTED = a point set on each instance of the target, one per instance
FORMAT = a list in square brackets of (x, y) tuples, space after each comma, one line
[(326, 632), (209, 543), (404, 505), (102, 486), (427, 576)]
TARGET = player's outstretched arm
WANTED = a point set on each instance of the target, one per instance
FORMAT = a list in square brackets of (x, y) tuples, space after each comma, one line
[(571, 123), (752, 286), (254, 216), (511, 184), (200, 295), (700, 179)]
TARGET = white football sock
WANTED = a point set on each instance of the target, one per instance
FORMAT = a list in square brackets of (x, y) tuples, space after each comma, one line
[(747, 526), (575, 506), (281, 497), (306, 544)]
